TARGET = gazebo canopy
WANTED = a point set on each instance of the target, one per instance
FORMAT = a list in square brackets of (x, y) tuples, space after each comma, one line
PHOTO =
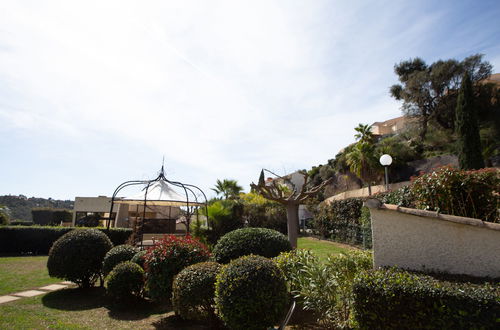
[(159, 193)]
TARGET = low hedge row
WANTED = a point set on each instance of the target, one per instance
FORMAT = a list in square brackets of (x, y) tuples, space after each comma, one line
[(392, 299), (39, 239)]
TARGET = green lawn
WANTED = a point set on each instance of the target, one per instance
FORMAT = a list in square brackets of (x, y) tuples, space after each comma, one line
[(322, 248), (22, 273)]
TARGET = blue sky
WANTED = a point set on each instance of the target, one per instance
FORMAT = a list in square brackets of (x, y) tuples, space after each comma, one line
[(94, 93)]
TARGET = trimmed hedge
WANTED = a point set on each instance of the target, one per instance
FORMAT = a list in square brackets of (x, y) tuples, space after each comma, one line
[(241, 242), (50, 217), (116, 255), (392, 299), (342, 221), (39, 239), (193, 291), (77, 256), (125, 280), (251, 293)]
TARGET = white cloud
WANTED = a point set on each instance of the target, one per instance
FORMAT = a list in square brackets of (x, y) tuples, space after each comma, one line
[(221, 88)]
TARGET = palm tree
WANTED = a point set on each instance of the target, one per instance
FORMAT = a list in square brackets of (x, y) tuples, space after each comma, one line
[(228, 188), (364, 133), (362, 162)]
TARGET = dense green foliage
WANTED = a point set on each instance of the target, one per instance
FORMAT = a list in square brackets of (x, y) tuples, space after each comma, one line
[(21, 206), (390, 299), (341, 221), (38, 240), (229, 189), (251, 293), (116, 255), (77, 256), (259, 241), (138, 258), (473, 194), (4, 215), (324, 287), (401, 197), (193, 291), (469, 142), (167, 258), (261, 212), (125, 280), (50, 217), (223, 216)]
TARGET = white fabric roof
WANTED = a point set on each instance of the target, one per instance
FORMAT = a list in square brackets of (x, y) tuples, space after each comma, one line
[(161, 194)]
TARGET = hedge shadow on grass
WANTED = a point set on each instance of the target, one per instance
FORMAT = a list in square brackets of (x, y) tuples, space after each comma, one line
[(175, 322), (76, 299)]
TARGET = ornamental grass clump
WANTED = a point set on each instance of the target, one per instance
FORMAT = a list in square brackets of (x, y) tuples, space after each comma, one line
[(251, 293), (77, 256), (193, 291), (167, 258), (116, 255)]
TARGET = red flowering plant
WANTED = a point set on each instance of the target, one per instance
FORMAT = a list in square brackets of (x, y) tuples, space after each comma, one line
[(474, 194), (167, 258)]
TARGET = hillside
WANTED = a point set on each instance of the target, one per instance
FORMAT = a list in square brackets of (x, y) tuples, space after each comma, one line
[(20, 206)]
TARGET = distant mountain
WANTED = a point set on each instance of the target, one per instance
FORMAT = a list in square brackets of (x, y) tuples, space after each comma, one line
[(20, 206)]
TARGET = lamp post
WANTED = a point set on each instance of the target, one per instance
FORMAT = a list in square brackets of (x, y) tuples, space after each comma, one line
[(385, 161)]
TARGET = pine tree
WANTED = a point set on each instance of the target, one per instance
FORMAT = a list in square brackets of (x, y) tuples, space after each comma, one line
[(469, 142)]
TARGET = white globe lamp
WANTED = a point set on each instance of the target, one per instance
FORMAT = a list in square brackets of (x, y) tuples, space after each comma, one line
[(386, 161)]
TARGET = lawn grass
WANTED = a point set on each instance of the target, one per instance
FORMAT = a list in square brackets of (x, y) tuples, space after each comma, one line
[(88, 309), (22, 273), (322, 248)]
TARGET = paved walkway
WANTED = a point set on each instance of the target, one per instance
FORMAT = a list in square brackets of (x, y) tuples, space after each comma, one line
[(34, 292)]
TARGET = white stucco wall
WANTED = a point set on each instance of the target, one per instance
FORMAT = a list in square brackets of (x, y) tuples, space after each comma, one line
[(427, 241)]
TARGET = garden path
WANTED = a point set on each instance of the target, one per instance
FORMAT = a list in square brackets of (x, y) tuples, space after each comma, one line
[(34, 292)]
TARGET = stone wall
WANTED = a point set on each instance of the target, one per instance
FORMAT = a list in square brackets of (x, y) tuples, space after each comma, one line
[(428, 241)]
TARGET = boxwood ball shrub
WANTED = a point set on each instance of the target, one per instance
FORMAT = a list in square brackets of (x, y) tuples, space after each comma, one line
[(125, 280), (251, 293), (259, 241), (167, 258), (193, 291), (77, 256), (138, 258), (116, 255)]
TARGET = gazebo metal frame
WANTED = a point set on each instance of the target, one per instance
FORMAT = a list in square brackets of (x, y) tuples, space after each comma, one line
[(191, 203)]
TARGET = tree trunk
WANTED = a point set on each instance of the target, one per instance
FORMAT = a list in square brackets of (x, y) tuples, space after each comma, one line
[(292, 219)]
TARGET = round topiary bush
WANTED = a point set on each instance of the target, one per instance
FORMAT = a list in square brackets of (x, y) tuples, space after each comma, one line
[(138, 258), (125, 280), (77, 256), (251, 293), (193, 291), (259, 241), (116, 255), (167, 258)]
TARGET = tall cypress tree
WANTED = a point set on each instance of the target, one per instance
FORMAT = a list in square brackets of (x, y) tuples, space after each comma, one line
[(467, 129)]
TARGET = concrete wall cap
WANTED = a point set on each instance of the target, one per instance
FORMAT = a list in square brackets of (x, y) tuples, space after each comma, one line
[(372, 203)]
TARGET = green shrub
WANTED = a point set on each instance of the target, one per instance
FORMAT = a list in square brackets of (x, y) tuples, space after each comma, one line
[(21, 223), (402, 197), (77, 256), (116, 255), (391, 299), (261, 212), (89, 220), (193, 291), (251, 293), (125, 280), (339, 220), (223, 216), (474, 194), (4, 216), (39, 239), (138, 258), (259, 241), (167, 258), (325, 287), (50, 217)]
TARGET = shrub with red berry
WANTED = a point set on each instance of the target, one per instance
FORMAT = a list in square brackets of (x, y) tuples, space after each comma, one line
[(167, 258)]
